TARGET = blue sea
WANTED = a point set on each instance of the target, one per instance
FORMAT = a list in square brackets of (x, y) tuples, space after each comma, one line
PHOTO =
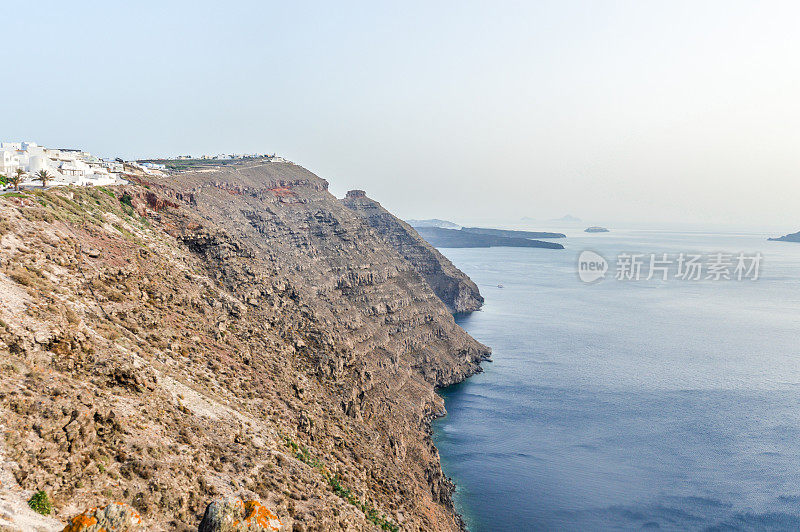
[(627, 405)]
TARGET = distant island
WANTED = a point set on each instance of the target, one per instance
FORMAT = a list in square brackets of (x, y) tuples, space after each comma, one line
[(595, 229), (564, 219), (567, 218), (512, 233), (792, 237), (463, 238), (433, 222)]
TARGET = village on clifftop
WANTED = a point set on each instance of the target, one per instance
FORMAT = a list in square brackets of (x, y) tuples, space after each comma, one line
[(25, 165), (27, 162)]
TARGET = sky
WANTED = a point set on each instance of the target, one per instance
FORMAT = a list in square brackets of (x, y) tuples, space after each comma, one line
[(634, 111)]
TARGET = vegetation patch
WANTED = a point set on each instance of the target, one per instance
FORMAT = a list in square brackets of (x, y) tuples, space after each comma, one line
[(40, 503), (107, 192), (302, 453)]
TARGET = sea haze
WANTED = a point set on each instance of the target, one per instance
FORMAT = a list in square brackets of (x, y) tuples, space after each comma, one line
[(667, 405)]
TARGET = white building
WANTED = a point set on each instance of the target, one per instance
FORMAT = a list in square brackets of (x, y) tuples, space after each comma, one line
[(66, 167), (154, 166)]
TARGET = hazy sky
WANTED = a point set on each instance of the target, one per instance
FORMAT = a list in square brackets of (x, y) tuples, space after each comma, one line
[(649, 111)]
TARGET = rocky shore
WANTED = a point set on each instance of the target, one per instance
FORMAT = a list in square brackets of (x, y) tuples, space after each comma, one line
[(230, 333)]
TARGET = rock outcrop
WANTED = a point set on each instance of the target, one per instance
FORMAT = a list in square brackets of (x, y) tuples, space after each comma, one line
[(452, 286), (236, 515), (235, 332), (115, 517)]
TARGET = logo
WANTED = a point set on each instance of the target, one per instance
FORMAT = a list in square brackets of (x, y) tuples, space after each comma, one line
[(591, 266)]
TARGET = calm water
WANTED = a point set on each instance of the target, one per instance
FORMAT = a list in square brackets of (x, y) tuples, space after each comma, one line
[(668, 405)]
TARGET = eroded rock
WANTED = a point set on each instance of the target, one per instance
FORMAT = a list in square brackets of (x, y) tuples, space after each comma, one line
[(116, 517), (450, 284), (235, 515)]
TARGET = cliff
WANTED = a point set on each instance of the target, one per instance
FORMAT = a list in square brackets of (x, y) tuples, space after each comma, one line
[(449, 283), (229, 331)]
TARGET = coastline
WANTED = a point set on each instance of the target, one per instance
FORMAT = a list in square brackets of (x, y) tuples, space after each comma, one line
[(460, 507), (243, 314), (567, 431)]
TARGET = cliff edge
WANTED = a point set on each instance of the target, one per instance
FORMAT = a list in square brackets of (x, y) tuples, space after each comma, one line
[(453, 287), (231, 332)]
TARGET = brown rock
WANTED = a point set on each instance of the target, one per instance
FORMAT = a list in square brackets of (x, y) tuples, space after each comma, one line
[(235, 515), (450, 284), (348, 333), (116, 517)]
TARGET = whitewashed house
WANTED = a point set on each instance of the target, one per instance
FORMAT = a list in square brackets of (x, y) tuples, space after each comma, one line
[(66, 167)]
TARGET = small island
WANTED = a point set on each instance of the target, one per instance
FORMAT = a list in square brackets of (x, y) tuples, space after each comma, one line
[(433, 222), (451, 238), (792, 237), (595, 229), (510, 233), (567, 218)]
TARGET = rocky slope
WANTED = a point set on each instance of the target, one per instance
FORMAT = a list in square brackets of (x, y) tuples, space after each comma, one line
[(224, 332), (452, 286)]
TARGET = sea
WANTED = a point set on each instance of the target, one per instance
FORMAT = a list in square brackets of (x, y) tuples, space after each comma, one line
[(630, 403)]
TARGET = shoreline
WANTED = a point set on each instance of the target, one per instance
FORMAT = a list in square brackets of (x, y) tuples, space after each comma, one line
[(442, 392), (459, 509), (247, 353)]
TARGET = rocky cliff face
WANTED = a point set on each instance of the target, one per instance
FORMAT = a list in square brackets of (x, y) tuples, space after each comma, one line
[(452, 286), (226, 332)]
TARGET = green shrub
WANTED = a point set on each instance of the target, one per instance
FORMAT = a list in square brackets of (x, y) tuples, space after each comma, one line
[(40, 503), (104, 190), (305, 456)]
